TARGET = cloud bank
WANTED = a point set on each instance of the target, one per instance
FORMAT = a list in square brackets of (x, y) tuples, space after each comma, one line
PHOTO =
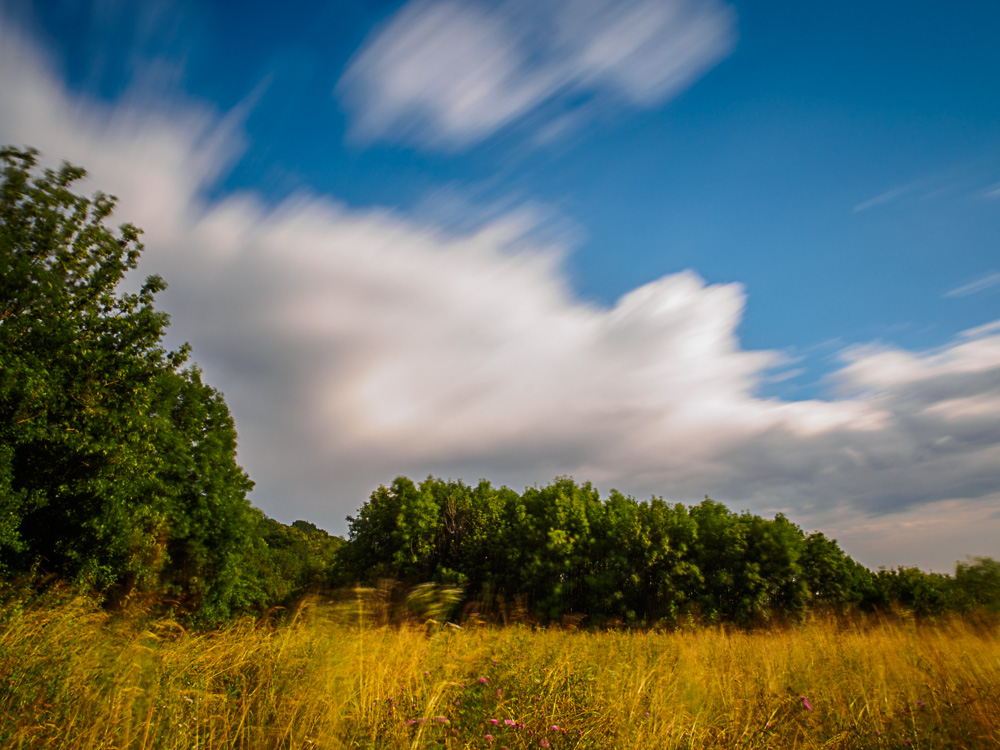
[(355, 345), (444, 74)]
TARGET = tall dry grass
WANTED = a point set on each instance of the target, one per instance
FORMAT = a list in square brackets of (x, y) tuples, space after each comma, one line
[(74, 677)]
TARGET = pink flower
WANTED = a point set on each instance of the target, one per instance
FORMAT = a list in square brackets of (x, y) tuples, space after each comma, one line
[(805, 703), (482, 680), (494, 722), (554, 728), (489, 738), (544, 742)]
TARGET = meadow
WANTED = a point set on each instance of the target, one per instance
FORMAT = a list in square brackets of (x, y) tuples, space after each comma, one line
[(331, 676)]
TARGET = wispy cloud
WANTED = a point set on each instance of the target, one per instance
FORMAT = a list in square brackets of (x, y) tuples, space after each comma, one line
[(991, 279), (354, 345), (446, 74), (887, 197), (983, 330)]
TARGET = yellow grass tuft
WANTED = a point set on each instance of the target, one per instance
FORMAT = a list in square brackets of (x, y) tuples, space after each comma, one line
[(76, 678)]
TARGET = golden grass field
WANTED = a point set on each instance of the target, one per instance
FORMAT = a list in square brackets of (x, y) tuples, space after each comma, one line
[(72, 676)]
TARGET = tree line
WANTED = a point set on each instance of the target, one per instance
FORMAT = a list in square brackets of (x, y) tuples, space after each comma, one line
[(118, 474), (563, 550)]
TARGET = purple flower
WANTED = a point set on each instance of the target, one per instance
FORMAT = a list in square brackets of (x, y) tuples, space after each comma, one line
[(805, 703)]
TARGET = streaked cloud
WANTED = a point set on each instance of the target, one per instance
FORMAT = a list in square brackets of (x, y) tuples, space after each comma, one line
[(445, 74), (357, 344), (887, 197), (987, 281)]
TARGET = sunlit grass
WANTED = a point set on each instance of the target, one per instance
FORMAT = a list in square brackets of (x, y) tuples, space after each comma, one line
[(74, 677)]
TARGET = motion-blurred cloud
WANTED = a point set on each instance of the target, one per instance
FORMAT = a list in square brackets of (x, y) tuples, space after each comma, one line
[(446, 74), (355, 345)]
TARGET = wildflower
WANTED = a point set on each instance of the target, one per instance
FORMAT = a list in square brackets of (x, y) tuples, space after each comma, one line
[(442, 719), (921, 704), (482, 680), (544, 742), (554, 728), (510, 722), (489, 738), (647, 714), (805, 703), (494, 722)]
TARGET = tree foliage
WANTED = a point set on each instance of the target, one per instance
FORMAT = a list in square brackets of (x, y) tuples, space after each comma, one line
[(117, 463), (563, 550)]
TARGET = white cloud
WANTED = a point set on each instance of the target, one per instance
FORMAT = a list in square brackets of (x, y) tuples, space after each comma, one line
[(446, 74), (991, 279), (887, 197), (355, 345)]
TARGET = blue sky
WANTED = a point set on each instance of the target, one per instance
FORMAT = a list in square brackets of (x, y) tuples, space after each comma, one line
[(750, 250)]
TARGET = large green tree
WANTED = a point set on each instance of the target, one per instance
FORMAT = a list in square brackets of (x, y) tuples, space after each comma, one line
[(117, 463)]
